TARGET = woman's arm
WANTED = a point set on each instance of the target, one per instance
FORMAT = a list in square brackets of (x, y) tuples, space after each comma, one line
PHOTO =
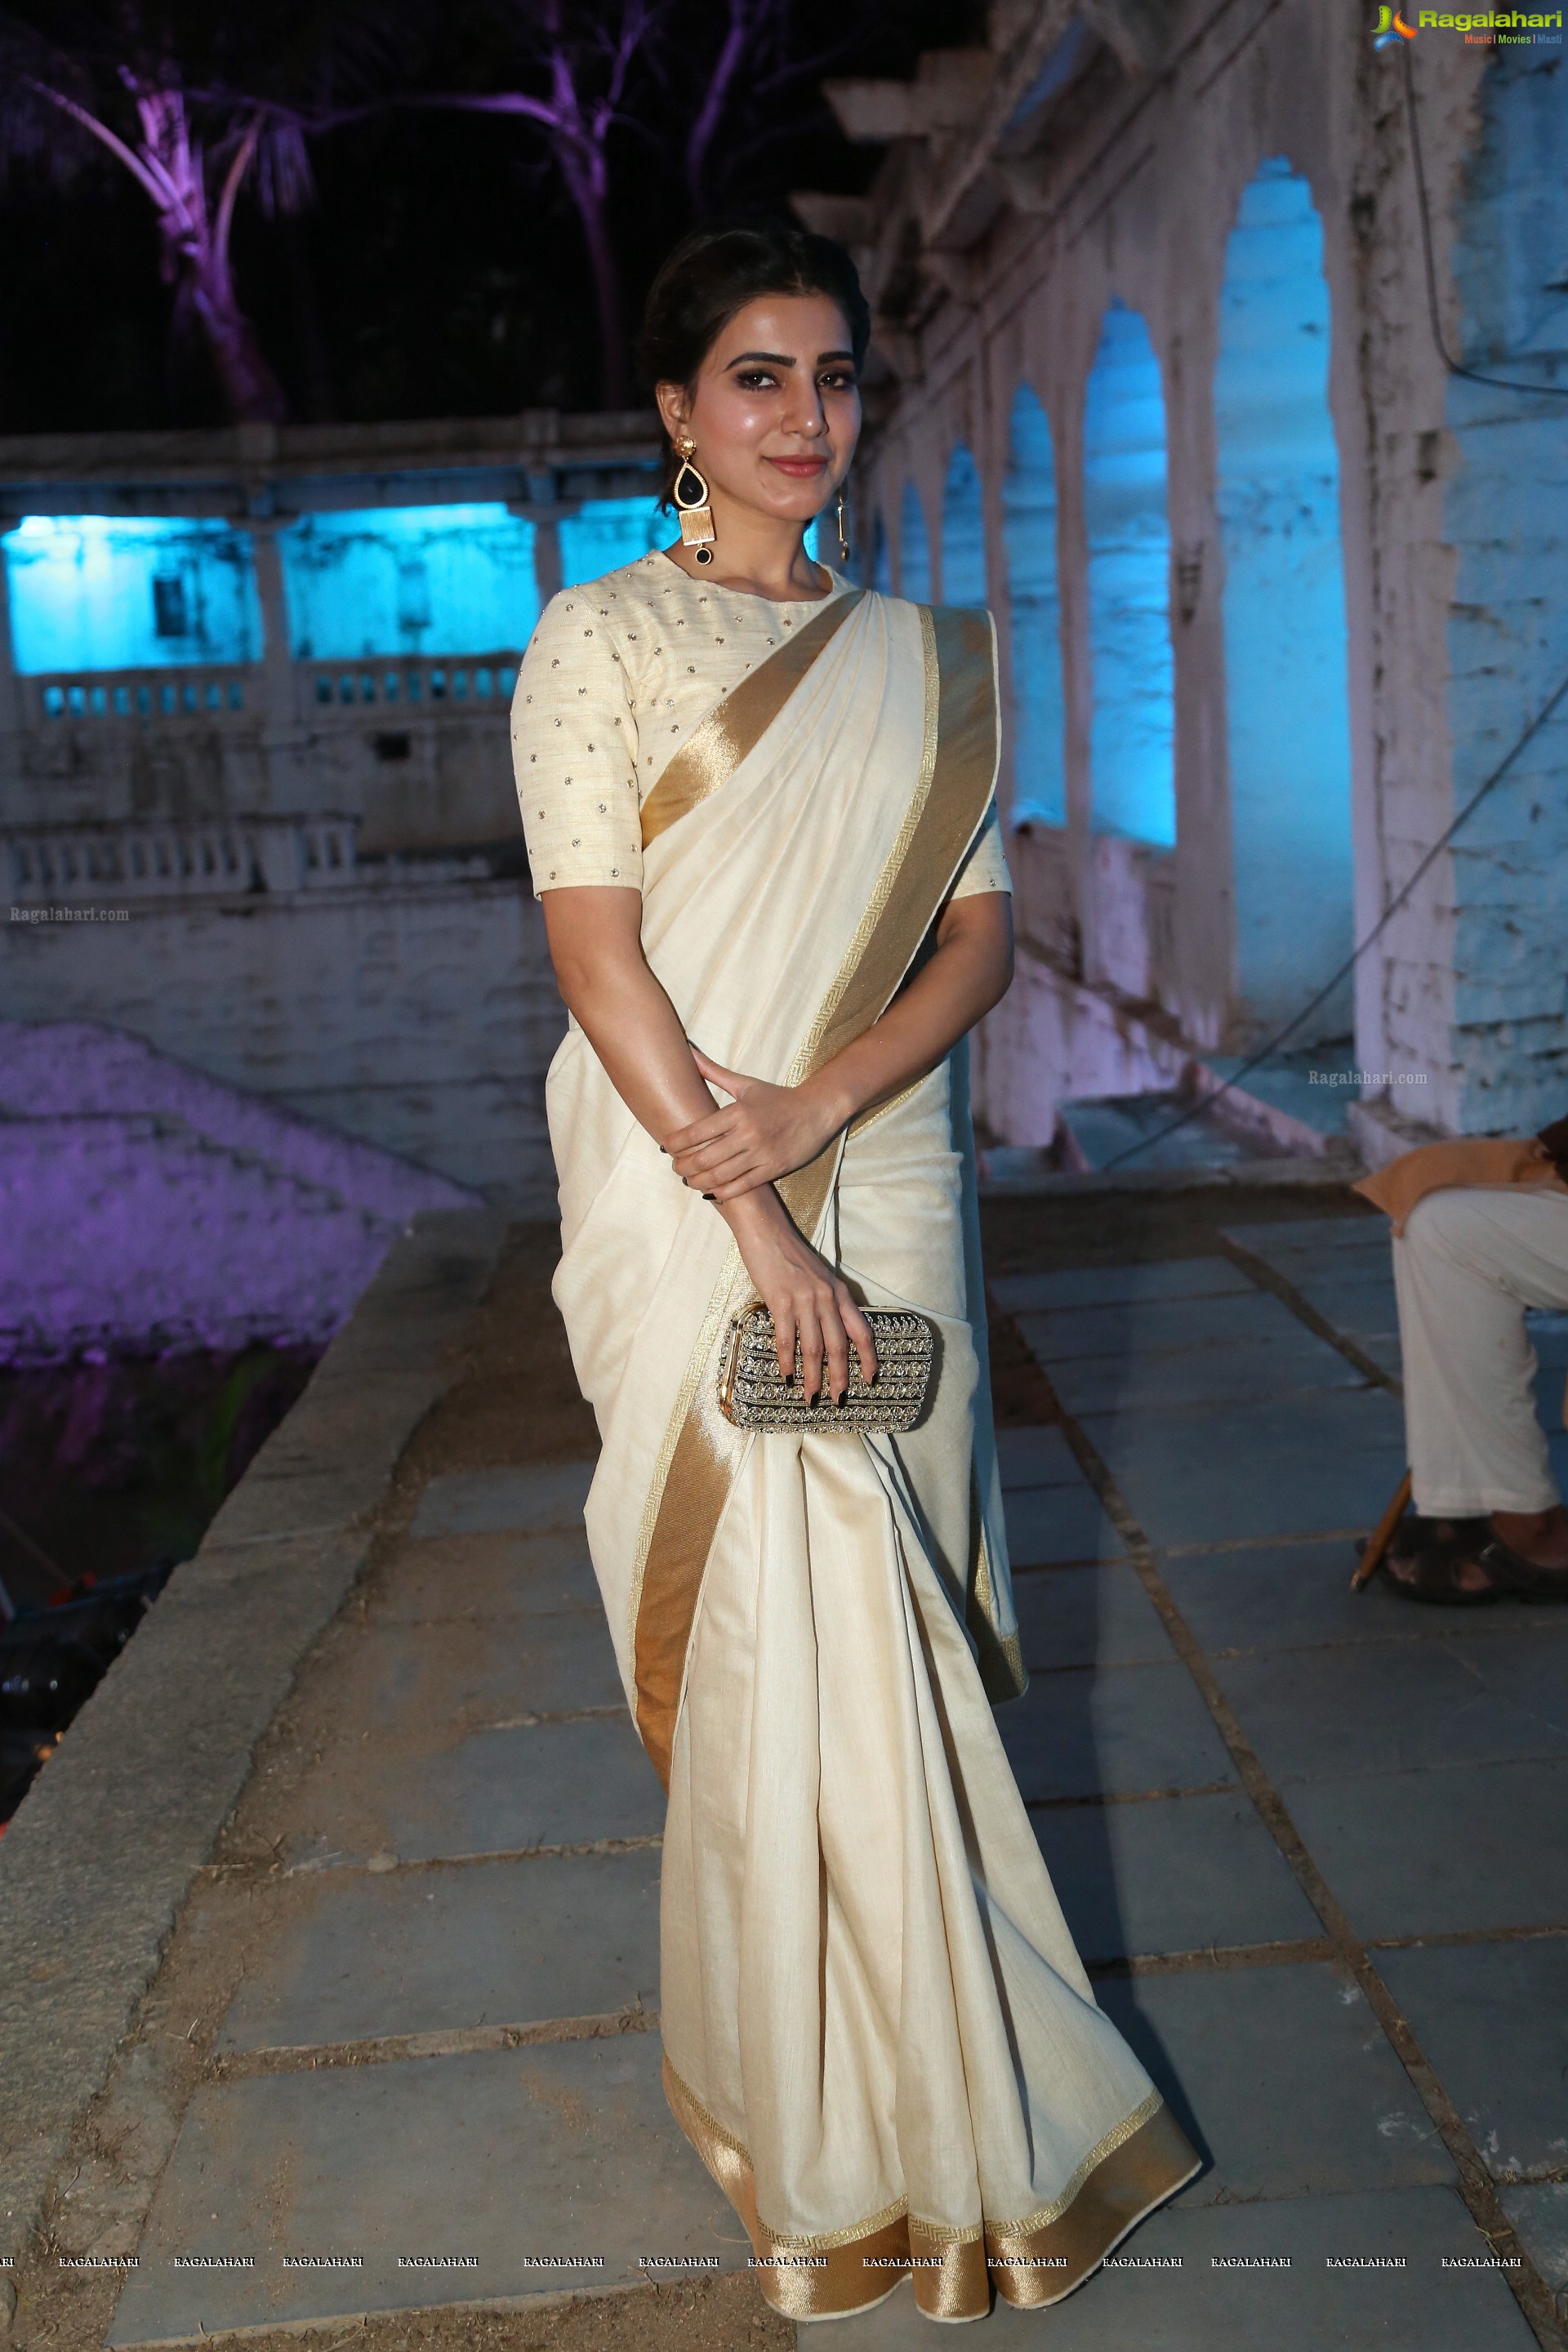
[(596, 945), (768, 1130)]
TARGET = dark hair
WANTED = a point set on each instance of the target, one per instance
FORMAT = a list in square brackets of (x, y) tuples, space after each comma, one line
[(715, 272)]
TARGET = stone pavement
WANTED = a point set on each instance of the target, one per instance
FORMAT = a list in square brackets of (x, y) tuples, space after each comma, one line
[(1309, 1842)]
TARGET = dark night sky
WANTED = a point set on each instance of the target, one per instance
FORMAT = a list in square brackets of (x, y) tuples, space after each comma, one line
[(440, 270)]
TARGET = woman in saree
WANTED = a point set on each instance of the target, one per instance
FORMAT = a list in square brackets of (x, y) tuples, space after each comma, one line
[(759, 811)]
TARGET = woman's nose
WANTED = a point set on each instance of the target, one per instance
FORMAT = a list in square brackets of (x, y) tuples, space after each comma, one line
[(805, 416)]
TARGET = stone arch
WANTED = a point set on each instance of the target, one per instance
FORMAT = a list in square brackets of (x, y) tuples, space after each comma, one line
[(914, 548), (1283, 608), (1132, 721), (963, 531), (1034, 605)]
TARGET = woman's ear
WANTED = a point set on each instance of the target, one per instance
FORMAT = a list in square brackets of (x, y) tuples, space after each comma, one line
[(672, 405)]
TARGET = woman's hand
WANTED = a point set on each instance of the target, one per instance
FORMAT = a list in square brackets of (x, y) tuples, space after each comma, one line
[(766, 1131), (803, 1296)]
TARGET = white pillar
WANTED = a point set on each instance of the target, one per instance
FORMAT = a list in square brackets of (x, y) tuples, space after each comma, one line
[(280, 716), (10, 702)]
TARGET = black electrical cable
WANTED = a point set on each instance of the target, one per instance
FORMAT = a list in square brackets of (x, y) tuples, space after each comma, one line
[(1499, 384)]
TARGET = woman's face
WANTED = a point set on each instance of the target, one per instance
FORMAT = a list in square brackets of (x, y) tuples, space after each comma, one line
[(775, 410)]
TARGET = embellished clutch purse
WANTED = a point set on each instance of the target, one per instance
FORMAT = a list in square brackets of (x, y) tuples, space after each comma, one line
[(754, 1394)]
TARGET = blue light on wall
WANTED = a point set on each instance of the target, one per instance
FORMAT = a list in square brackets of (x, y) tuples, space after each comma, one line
[(1505, 516), (110, 592), (1132, 732), (1283, 607), (914, 548), (605, 533), (1029, 550), (963, 533), (390, 581), (881, 559)]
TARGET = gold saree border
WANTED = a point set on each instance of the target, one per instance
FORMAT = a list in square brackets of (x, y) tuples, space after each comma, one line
[(717, 745), (1036, 2261), (957, 776)]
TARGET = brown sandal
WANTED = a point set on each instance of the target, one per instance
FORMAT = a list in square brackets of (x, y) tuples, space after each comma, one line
[(1520, 1578), (1429, 1555)]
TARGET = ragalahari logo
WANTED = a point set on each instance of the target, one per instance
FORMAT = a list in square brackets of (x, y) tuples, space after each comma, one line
[(1391, 27)]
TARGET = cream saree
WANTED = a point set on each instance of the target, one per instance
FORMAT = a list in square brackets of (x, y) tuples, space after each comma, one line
[(878, 2033)]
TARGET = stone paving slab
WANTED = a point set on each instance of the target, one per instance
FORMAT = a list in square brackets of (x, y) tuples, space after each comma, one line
[(466, 1674), (1292, 1596), (1283, 2080), (1493, 2020), (1309, 2308), (1123, 1285), (1428, 1853), (1161, 1326), (493, 1792), (1402, 1707), (471, 1502), (1203, 1375), (428, 1951), (1323, 1243), (1120, 1729), (1058, 1523), (561, 2151), (1178, 1874), (1086, 1616), (1281, 1465), (1037, 1457), (497, 1573)]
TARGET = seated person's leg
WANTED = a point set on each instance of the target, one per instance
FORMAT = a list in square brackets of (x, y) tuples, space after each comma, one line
[(1470, 1261)]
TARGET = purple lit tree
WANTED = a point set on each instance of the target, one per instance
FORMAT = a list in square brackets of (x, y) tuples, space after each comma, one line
[(193, 190), (166, 90), (580, 59)]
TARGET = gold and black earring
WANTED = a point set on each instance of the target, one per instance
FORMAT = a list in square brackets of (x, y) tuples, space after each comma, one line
[(842, 534), (689, 492)]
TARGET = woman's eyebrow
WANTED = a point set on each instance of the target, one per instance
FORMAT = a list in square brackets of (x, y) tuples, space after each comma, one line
[(773, 358)]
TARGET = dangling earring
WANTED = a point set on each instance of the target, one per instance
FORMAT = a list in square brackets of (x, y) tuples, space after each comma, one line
[(843, 538), (689, 492)]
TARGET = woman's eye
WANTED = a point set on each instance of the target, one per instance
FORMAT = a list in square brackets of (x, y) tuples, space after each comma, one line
[(756, 380), (836, 379)]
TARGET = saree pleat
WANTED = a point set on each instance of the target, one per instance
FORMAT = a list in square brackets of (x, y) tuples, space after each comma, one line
[(878, 2033)]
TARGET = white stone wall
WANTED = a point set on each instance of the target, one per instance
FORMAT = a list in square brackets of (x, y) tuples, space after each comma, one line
[(1138, 203)]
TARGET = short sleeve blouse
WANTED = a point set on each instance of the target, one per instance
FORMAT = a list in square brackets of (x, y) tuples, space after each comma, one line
[(617, 674)]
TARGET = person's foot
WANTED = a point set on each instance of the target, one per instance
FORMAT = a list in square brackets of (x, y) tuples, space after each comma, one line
[(1539, 1537), (1438, 1560)]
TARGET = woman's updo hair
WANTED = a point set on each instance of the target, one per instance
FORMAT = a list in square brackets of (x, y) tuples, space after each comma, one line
[(715, 272)]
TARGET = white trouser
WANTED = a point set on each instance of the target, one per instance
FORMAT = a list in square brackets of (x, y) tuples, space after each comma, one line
[(1471, 1260)]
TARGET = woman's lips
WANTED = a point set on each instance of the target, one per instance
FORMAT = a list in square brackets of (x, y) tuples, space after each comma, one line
[(803, 469)]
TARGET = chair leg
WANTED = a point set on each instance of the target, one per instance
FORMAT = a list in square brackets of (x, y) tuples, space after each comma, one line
[(1382, 1535)]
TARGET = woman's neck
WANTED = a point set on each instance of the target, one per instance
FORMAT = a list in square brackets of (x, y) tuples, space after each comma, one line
[(753, 555)]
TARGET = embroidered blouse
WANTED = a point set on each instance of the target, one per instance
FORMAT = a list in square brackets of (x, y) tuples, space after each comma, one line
[(616, 677)]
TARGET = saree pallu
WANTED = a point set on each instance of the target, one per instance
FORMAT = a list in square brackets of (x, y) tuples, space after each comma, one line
[(878, 2033)]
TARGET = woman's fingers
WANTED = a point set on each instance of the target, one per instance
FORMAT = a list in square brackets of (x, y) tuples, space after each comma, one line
[(860, 1333), (836, 1347), (700, 1131), (811, 1352), (733, 1081), (783, 1339), (728, 1156)]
